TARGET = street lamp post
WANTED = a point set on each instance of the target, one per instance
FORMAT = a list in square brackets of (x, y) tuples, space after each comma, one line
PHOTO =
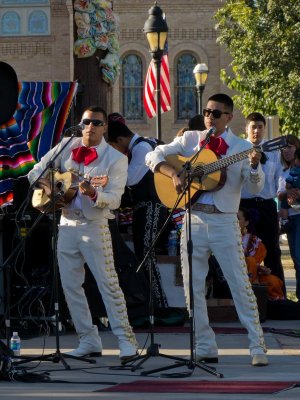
[(156, 30), (200, 73)]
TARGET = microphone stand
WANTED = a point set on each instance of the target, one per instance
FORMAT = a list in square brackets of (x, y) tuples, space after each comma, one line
[(153, 350), (57, 356)]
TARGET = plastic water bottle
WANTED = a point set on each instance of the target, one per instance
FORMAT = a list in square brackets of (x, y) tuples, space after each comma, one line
[(15, 344), (172, 243)]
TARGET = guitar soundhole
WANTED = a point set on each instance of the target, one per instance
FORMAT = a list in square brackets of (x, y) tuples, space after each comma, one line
[(59, 185)]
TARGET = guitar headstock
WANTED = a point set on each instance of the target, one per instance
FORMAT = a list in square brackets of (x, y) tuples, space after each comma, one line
[(274, 144)]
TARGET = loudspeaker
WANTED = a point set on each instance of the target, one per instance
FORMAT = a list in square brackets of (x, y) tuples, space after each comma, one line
[(30, 268), (31, 272)]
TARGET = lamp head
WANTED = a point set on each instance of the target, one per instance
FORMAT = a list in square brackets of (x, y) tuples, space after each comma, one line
[(156, 30), (200, 72)]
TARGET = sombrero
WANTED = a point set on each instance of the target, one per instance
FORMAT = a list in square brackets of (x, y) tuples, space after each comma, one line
[(8, 92)]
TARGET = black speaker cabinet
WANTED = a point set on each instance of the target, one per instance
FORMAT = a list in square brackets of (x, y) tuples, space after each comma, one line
[(31, 272)]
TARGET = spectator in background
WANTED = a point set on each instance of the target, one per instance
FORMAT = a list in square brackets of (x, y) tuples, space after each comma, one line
[(293, 233), (292, 181), (196, 123), (267, 227), (255, 252)]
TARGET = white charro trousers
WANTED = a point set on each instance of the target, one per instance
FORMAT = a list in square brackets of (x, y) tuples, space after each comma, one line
[(219, 234), (79, 241)]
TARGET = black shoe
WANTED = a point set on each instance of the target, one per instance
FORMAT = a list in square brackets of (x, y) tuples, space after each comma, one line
[(207, 360), (285, 228)]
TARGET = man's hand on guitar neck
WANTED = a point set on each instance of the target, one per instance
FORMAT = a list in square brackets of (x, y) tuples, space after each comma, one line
[(89, 185), (86, 188), (170, 171)]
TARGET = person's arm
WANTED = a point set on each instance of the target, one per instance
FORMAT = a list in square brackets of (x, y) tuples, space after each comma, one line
[(253, 175), (281, 191), (169, 170), (42, 165), (110, 194), (293, 194), (185, 145)]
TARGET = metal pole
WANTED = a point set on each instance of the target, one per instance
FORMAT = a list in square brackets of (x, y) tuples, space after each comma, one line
[(201, 89), (198, 99), (157, 62)]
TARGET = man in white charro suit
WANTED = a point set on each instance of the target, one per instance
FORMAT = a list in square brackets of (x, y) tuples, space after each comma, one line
[(215, 227), (84, 235)]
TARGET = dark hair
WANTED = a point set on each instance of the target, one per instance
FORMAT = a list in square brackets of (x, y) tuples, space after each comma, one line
[(117, 129), (256, 116), (251, 215), (196, 123), (181, 131), (294, 141), (297, 153), (116, 117), (97, 109), (222, 98)]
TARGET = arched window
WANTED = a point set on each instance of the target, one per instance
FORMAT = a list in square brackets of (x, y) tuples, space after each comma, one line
[(38, 23), (11, 23), (185, 88), (132, 87)]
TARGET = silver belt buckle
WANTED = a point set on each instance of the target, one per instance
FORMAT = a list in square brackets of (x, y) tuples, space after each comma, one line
[(78, 213), (207, 208)]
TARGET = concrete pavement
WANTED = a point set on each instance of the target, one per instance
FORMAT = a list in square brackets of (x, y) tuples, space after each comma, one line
[(82, 380)]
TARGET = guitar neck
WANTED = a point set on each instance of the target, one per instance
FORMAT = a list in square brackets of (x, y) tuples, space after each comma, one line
[(221, 163)]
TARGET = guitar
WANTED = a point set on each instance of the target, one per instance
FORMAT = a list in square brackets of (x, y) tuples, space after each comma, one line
[(208, 172), (66, 185)]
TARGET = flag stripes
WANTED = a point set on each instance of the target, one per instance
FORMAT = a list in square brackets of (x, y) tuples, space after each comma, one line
[(150, 88)]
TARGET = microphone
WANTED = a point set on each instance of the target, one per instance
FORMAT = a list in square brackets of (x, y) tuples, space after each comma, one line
[(74, 129), (210, 132)]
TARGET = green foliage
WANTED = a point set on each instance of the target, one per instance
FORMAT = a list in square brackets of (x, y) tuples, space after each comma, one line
[(263, 39)]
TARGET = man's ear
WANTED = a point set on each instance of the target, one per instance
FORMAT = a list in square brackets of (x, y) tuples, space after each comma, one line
[(230, 116)]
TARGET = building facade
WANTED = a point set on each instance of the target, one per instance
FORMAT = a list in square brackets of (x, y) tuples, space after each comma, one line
[(37, 37)]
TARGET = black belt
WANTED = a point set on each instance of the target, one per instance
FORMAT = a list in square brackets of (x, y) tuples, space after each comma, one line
[(257, 199)]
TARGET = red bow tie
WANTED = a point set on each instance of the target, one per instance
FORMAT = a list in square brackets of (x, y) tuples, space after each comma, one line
[(84, 154), (217, 145)]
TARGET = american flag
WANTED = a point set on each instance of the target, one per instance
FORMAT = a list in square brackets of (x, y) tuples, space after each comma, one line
[(150, 86)]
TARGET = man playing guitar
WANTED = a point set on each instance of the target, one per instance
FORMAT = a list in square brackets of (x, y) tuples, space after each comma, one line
[(215, 227), (84, 234)]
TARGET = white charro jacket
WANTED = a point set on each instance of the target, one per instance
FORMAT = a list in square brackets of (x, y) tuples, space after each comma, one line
[(109, 162), (227, 199)]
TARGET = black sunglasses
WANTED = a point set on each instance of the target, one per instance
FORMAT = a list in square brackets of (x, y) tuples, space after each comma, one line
[(215, 113), (95, 122)]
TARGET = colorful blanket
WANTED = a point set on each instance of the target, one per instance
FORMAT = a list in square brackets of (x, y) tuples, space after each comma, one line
[(36, 127)]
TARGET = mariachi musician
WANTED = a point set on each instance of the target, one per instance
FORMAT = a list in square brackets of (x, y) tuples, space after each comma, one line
[(214, 224), (84, 234)]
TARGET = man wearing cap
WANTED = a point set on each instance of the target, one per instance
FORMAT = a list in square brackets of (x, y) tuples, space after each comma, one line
[(148, 212)]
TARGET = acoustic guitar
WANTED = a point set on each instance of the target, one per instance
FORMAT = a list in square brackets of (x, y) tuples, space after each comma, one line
[(65, 189), (208, 172)]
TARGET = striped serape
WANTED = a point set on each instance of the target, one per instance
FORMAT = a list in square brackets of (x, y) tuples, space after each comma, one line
[(35, 127)]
